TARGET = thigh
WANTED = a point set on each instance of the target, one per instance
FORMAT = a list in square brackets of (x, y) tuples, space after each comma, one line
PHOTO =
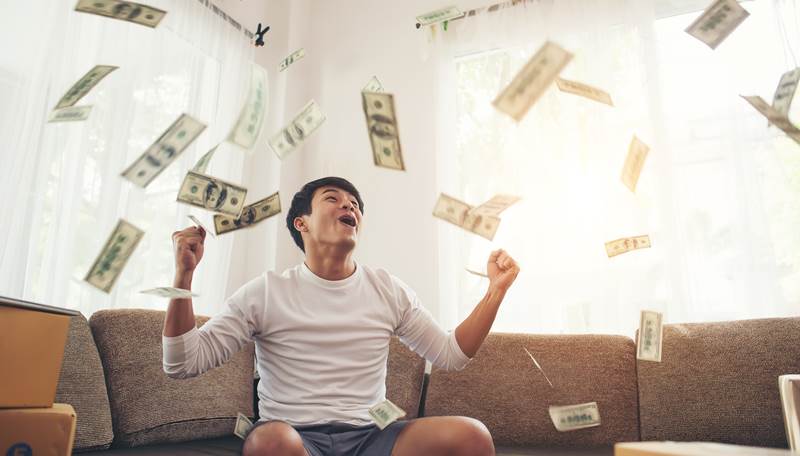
[(264, 434), (441, 435)]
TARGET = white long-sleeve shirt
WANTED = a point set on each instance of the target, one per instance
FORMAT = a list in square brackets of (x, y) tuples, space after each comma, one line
[(321, 345)]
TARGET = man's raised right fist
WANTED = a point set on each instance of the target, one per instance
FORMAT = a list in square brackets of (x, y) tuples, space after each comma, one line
[(188, 245)]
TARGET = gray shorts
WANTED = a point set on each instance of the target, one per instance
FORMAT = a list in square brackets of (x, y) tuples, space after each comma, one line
[(341, 439)]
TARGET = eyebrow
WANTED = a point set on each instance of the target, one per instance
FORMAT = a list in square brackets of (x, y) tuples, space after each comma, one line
[(336, 190)]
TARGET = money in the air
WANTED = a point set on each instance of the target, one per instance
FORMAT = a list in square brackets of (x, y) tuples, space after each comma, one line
[(298, 130), (574, 417), (251, 215), (584, 90), (382, 130), (718, 21), (122, 10), (115, 254), (774, 117), (637, 154), (200, 224), (459, 213), (70, 114), (440, 15), (625, 245), (651, 331), (170, 292), (374, 85), (84, 85), (293, 57), (212, 194), (247, 128)]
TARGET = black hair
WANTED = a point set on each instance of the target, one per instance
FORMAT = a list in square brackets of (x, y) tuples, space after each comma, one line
[(301, 203)]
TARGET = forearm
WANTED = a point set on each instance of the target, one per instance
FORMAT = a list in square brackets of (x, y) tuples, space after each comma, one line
[(180, 315), (471, 333)]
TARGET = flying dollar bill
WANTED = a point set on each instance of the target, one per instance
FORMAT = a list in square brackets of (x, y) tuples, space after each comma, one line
[(115, 254), (477, 273), (637, 153), (784, 93), (386, 413), (293, 57), (251, 214), (574, 417), (495, 205), (243, 426), (211, 193), (374, 85), (84, 85), (532, 80), (202, 164), (651, 331), (248, 126), (440, 15), (624, 245), (70, 114), (536, 363), (125, 11), (774, 117), (170, 292), (199, 224), (583, 90), (382, 129), (164, 151), (458, 213), (298, 130), (717, 22)]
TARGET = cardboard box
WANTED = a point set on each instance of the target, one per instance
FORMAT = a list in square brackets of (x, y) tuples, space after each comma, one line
[(37, 431), (32, 339), (693, 449)]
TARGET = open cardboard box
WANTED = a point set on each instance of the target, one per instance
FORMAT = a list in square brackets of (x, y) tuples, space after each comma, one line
[(693, 449), (37, 431), (32, 339)]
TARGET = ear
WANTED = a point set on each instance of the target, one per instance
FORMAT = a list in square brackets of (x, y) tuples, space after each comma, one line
[(300, 224)]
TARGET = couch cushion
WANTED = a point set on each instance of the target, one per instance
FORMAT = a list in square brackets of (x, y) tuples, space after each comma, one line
[(83, 385), (719, 382), (404, 376), (502, 388), (218, 447), (149, 407)]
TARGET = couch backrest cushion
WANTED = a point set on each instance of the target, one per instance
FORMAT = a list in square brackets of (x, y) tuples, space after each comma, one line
[(502, 388), (404, 376), (719, 381), (149, 407), (83, 385)]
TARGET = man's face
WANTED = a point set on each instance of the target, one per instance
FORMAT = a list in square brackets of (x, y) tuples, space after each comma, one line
[(335, 219)]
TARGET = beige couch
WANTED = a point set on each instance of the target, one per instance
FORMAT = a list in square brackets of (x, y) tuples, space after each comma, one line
[(717, 381)]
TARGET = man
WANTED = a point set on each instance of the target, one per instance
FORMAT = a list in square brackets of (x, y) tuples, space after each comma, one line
[(322, 332)]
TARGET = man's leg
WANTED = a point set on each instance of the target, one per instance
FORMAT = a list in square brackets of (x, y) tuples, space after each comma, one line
[(444, 436), (274, 438)]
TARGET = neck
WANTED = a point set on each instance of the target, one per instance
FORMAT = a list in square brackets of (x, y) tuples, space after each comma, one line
[(330, 265)]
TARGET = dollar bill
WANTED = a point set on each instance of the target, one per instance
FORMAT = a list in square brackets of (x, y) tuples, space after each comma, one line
[(637, 153), (301, 127), (789, 387), (374, 85), (115, 254), (251, 214), (477, 273), (200, 224), (293, 57), (458, 213), (382, 129), (211, 193), (248, 126), (170, 292), (717, 22), (84, 85), (125, 11), (536, 363), (386, 413), (584, 90), (70, 114), (651, 330), (784, 93), (243, 426), (774, 117), (495, 205), (440, 15), (532, 80), (484, 226), (574, 417), (624, 245), (202, 164), (164, 151)]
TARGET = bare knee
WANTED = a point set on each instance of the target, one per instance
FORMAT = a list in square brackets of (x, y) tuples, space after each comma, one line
[(275, 438), (470, 437)]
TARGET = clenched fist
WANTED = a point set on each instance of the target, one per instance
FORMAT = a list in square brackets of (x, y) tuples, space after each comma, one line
[(501, 269), (188, 245)]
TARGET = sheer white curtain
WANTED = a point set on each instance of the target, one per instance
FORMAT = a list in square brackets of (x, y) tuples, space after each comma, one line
[(719, 194), (62, 180)]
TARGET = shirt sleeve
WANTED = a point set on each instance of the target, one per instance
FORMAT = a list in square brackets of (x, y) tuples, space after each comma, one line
[(422, 334), (200, 349)]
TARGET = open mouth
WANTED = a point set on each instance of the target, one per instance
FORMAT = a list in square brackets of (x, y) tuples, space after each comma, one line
[(348, 220)]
